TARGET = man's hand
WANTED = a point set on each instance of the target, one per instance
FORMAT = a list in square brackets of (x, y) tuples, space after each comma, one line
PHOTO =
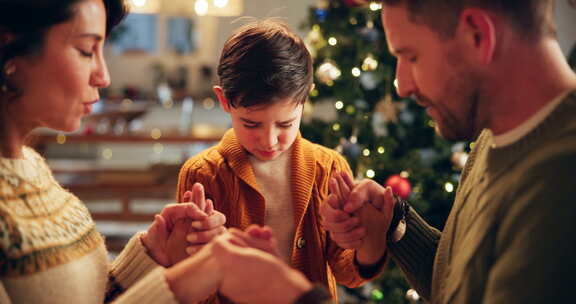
[(344, 227)]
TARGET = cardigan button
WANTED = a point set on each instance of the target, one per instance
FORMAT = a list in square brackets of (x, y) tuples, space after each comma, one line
[(300, 243)]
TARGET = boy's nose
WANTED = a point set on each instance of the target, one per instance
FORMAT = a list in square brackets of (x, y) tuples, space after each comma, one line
[(269, 139)]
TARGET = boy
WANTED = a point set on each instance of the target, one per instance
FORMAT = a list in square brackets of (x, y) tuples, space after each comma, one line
[(262, 171)]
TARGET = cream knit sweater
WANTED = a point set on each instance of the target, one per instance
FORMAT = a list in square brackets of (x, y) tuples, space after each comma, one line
[(50, 251)]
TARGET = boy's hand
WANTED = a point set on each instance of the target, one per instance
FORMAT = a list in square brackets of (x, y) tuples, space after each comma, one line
[(190, 235), (156, 239)]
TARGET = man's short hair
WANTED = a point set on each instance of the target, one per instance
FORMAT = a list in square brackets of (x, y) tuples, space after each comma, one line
[(530, 18)]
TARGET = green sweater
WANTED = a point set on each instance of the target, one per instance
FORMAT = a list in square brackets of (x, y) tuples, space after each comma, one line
[(511, 234)]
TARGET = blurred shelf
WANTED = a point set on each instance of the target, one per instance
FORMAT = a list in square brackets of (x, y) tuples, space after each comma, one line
[(42, 139)]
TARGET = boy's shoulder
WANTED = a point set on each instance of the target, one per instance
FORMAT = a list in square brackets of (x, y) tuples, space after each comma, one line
[(322, 154), (207, 161)]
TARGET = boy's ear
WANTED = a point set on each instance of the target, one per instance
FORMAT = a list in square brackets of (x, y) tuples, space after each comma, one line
[(222, 98)]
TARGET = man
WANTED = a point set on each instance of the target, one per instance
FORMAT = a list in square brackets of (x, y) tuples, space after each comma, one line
[(490, 71)]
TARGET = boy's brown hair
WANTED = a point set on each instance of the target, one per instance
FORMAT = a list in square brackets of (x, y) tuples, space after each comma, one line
[(264, 62)]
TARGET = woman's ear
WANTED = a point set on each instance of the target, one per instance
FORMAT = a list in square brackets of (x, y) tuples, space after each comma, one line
[(222, 98)]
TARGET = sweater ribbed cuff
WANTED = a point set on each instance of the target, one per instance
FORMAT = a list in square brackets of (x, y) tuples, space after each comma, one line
[(415, 252), (153, 288), (133, 263)]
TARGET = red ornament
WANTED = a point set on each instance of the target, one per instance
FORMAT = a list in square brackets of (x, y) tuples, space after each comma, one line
[(400, 186), (354, 3)]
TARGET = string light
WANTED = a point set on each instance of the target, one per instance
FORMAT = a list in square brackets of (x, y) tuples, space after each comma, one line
[(168, 104), (339, 105), (370, 173), (350, 109), (381, 150), (158, 148), (220, 3), (139, 3), (377, 295), (61, 138), (126, 103), (374, 6), (369, 64), (356, 72), (449, 187), (208, 103), (107, 153), (332, 41), (201, 7), (366, 152), (327, 72), (405, 174), (336, 127), (155, 133)]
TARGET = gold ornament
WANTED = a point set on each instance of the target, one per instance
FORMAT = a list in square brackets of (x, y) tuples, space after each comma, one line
[(327, 72), (387, 109)]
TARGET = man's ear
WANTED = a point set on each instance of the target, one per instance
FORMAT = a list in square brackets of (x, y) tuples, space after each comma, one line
[(222, 98), (480, 30)]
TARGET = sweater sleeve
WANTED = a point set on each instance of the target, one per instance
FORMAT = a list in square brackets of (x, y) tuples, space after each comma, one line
[(342, 261), (536, 244), (153, 288), (131, 265), (415, 252)]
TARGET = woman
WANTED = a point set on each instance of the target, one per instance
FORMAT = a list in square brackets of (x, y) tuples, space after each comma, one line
[(51, 67)]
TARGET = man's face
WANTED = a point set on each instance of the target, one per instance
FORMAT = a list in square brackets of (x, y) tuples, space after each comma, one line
[(435, 72)]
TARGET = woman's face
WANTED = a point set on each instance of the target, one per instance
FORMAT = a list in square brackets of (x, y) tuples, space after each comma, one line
[(60, 83)]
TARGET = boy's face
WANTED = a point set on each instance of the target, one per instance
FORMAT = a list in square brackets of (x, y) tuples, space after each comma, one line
[(266, 132)]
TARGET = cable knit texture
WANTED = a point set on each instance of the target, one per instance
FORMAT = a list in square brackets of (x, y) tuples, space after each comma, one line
[(50, 251), (227, 175), (510, 235)]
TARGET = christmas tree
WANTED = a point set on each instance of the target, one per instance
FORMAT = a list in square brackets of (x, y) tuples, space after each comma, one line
[(383, 137)]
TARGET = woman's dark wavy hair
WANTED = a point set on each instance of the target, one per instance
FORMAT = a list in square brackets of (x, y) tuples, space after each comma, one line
[(27, 22)]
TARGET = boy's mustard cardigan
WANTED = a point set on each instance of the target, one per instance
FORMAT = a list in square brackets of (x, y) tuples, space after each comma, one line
[(226, 173)]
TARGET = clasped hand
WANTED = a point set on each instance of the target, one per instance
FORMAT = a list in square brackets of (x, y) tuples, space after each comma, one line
[(182, 229), (357, 216)]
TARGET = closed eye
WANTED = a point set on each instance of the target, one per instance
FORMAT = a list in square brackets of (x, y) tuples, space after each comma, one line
[(86, 54)]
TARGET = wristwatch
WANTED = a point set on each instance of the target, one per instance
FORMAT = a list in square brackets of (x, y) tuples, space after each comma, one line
[(397, 227)]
